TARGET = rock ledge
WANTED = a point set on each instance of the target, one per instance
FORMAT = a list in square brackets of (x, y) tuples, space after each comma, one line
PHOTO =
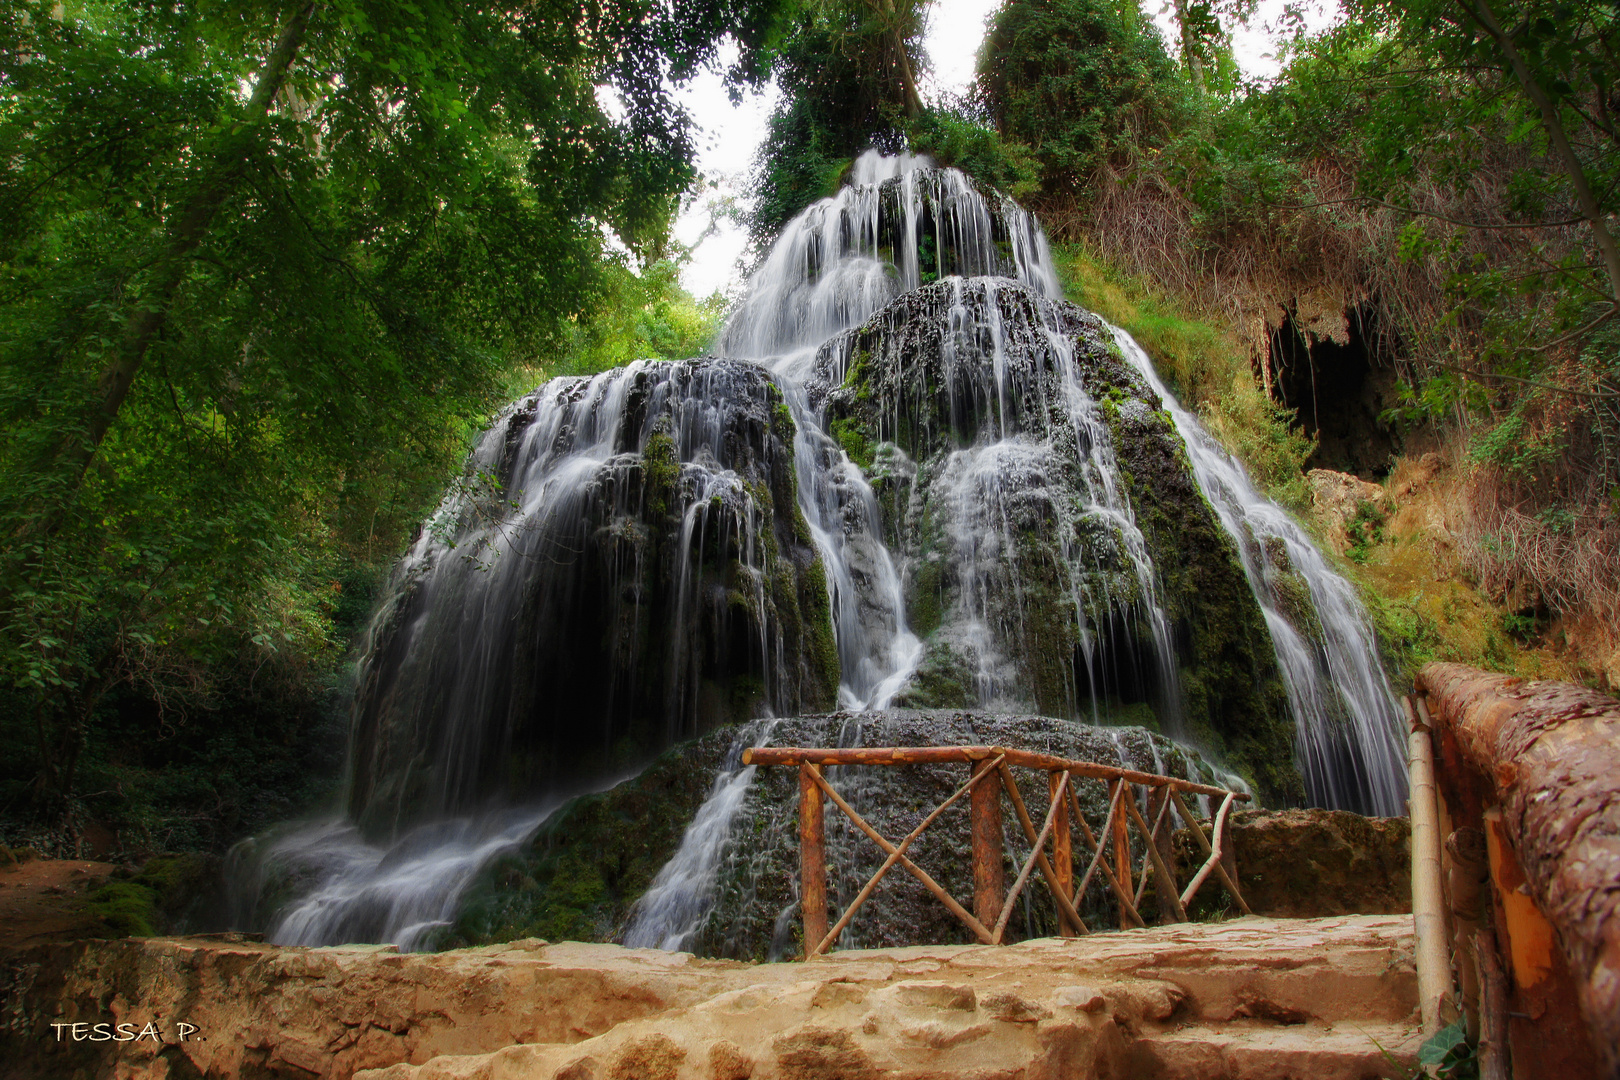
[(1324, 998)]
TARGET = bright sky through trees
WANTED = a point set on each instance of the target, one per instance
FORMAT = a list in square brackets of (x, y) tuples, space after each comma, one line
[(732, 133)]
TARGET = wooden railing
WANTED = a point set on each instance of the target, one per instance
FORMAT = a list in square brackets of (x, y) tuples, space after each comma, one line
[(990, 777)]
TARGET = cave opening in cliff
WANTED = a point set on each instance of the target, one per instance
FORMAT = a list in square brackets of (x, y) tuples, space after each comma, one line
[(1338, 390)]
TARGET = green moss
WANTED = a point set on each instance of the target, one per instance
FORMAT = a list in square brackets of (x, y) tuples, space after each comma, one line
[(661, 469), (815, 611), (127, 908), (943, 680), (582, 873), (852, 438), (859, 374), (925, 601), (1137, 714), (1233, 697), (164, 893), (782, 419)]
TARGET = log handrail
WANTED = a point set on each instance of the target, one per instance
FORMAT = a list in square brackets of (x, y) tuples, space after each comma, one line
[(990, 775), (888, 864), (938, 755), (1037, 851), (918, 872)]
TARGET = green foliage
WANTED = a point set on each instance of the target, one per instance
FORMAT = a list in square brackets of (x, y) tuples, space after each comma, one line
[(1449, 1054), (1074, 81), (847, 71), (851, 436), (645, 316), (1365, 530), (957, 135), (313, 299)]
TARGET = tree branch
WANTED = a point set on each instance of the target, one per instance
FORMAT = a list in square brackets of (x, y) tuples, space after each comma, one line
[(1481, 14)]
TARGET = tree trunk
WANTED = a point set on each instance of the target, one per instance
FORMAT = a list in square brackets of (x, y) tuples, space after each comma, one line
[(908, 80), (1189, 47)]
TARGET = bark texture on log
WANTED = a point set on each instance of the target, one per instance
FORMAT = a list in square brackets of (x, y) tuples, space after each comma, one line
[(1550, 753)]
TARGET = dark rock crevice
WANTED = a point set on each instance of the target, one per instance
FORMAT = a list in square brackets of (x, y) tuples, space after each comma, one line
[(1339, 389)]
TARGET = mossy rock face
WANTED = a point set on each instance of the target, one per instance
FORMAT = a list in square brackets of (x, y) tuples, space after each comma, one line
[(168, 894), (1027, 474), (578, 879), (589, 864), (665, 585), (1306, 864)]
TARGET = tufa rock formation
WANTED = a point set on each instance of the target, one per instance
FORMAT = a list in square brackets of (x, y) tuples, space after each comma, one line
[(1328, 999)]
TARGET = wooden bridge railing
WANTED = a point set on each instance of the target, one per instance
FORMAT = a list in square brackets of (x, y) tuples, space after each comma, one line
[(990, 777)]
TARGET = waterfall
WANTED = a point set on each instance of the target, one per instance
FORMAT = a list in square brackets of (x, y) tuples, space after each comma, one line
[(1345, 714), (399, 892), (905, 481)]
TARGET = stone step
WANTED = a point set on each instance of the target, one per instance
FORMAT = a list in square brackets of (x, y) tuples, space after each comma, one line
[(1252, 1050)]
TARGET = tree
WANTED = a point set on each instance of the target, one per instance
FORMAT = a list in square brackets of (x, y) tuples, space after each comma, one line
[(1075, 80), (848, 74), (266, 265)]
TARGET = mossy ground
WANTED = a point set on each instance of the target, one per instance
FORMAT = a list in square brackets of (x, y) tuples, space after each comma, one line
[(1205, 363), (1426, 607)]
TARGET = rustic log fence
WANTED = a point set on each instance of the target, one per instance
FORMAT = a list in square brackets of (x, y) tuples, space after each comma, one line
[(990, 777)]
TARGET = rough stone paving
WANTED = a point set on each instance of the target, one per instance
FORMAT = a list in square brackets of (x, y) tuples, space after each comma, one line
[(1316, 999)]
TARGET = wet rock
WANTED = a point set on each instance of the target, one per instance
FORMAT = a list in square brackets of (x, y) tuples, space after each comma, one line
[(625, 565), (1060, 557), (583, 874)]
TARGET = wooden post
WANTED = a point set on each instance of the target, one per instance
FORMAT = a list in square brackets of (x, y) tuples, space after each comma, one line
[(812, 858), (1161, 834), (989, 881), (1122, 852), (1062, 848)]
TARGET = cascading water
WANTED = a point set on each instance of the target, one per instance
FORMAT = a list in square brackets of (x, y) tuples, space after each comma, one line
[(834, 266), (1344, 710), (679, 899), (401, 893), (915, 477), (1016, 509)]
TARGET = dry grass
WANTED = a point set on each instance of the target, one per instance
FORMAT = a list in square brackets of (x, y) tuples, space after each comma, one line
[(1321, 256), (1538, 560)]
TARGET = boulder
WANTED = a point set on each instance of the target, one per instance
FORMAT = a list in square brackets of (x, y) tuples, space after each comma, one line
[(1346, 507)]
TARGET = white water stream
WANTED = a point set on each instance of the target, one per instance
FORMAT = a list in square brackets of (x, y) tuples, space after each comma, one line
[(1345, 716)]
